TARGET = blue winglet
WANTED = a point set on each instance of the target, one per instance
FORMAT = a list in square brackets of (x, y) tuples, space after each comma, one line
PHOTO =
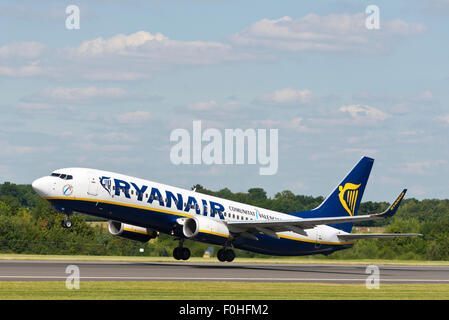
[(394, 207)]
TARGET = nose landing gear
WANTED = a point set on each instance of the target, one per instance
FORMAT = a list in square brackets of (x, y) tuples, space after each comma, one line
[(66, 223)]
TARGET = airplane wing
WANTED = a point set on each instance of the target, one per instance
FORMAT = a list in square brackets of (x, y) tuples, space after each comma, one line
[(298, 225)]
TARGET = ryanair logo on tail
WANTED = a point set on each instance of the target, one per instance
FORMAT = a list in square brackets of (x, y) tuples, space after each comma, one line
[(348, 196)]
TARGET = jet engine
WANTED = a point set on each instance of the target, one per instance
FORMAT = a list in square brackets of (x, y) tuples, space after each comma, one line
[(131, 232), (197, 227)]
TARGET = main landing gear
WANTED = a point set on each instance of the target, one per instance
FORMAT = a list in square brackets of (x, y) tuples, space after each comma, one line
[(181, 253), (225, 255)]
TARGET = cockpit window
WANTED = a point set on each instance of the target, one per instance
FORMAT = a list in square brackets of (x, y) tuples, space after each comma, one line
[(62, 176)]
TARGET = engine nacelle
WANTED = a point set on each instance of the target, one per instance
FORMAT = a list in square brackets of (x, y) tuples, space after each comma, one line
[(203, 227), (131, 232)]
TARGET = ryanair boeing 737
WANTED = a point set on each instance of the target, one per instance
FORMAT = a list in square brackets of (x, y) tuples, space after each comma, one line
[(140, 209)]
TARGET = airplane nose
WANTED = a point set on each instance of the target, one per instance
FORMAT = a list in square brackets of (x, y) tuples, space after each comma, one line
[(40, 186)]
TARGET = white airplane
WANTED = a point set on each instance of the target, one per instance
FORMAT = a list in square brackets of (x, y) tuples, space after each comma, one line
[(140, 209)]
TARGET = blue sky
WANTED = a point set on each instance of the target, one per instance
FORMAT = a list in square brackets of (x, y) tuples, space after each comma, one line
[(109, 94)]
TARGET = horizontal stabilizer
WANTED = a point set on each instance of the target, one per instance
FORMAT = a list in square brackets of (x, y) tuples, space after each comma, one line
[(359, 236)]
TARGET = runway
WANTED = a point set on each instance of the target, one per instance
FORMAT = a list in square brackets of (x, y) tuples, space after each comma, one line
[(21, 270)]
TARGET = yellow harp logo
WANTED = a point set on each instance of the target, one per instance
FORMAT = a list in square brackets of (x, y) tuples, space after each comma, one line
[(348, 196)]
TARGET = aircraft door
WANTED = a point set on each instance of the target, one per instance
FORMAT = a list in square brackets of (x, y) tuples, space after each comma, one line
[(92, 187)]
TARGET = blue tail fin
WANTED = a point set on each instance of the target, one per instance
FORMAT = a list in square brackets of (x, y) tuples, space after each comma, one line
[(345, 199)]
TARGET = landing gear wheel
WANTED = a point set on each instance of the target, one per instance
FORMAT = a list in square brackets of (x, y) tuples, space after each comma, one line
[(180, 253), (66, 223), (229, 255), (225, 255), (177, 253), (185, 254), (221, 256)]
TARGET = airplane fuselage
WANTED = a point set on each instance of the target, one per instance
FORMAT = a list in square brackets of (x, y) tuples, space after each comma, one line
[(163, 208)]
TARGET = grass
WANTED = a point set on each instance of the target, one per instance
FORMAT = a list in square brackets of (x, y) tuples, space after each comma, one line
[(298, 260), (90, 290)]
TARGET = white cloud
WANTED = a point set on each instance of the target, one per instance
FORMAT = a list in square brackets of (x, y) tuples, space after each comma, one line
[(76, 94), (29, 70), (53, 98), (119, 44), (421, 167), (35, 106), (29, 50), (426, 96), (157, 49), (21, 59), (90, 146), (115, 75), (335, 32), (135, 117), (360, 151), (364, 112), (111, 137), (137, 56), (286, 96), (203, 105), (444, 118), (14, 150), (390, 180), (297, 125)]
